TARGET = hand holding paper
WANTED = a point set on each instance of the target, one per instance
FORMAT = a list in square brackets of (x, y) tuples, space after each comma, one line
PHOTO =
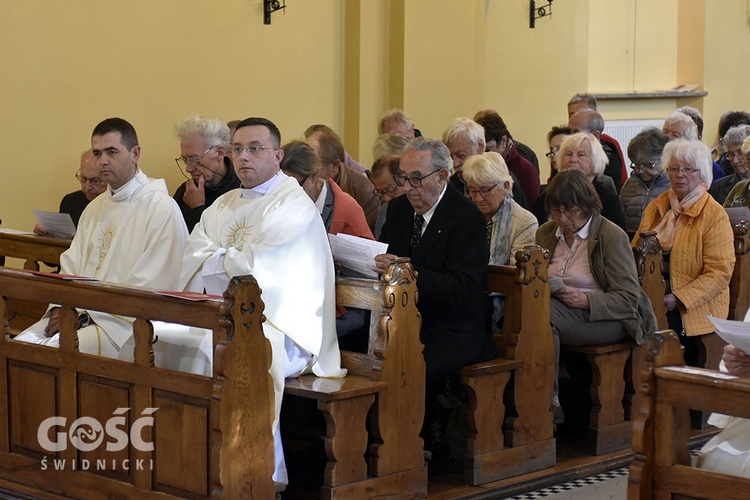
[(57, 225)]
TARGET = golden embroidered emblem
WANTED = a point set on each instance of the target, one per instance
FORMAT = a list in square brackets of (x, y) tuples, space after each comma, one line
[(105, 241), (239, 230)]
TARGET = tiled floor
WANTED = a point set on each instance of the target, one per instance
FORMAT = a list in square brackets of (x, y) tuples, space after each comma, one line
[(606, 486)]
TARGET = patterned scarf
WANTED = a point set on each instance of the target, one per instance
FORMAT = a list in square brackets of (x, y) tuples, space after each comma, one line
[(668, 225), (500, 241)]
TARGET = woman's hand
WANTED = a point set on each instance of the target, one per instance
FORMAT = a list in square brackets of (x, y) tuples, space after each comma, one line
[(736, 361), (573, 297), (671, 302)]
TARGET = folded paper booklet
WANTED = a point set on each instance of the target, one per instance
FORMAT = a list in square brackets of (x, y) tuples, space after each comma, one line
[(733, 332), (356, 255)]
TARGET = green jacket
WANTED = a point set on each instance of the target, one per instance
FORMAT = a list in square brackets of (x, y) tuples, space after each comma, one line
[(613, 267)]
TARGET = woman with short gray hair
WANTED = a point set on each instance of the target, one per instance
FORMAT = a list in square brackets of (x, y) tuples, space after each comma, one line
[(697, 244)]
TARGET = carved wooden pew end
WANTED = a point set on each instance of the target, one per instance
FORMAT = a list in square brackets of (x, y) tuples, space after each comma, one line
[(387, 384), (498, 448)]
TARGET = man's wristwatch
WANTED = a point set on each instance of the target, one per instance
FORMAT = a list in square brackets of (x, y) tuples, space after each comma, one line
[(84, 320)]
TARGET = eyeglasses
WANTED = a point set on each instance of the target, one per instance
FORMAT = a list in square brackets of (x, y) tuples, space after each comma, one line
[(481, 192), (672, 170), (568, 213), (414, 180), (643, 166), (552, 153), (389, 191), (94, 181), (735, 154), (193, 161), (252, 149)]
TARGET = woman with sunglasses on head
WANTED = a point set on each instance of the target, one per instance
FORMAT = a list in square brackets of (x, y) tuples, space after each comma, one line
[(596, 297), (648, 179), (697, 244)]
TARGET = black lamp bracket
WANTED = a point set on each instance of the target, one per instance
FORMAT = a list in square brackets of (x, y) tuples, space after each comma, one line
[(538, 12), (271, 6)]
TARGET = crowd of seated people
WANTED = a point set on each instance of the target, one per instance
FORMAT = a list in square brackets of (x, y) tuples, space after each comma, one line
[(453, 206)]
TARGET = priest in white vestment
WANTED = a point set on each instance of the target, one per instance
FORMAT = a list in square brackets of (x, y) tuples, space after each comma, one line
[(271, 229), (132, 234)]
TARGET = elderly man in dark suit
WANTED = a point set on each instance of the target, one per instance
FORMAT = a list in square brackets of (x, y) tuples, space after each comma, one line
[(444, 233)]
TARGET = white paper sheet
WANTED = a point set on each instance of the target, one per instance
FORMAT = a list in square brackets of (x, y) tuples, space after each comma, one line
[(56, 224), (736, 333), (355, 253)]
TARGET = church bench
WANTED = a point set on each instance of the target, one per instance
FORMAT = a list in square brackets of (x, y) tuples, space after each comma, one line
[(661, 466), (201, 442), (615, 368), (389, 381), (497, 447), (32, 250), (739, 291)]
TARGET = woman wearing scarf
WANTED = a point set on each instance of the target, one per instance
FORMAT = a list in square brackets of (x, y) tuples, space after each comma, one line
[(509, 226), (697, 243)]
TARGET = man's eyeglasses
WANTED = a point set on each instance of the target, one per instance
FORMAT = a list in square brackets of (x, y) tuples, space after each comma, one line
[(569, 212), (389, 191), (471, 192), (94, 181), (685, 170), (193, 161), (253, 149), (414, 180), (643, 166), (552, 153)]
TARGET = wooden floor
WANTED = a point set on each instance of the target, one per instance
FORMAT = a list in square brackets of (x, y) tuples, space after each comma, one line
[(445, 480)]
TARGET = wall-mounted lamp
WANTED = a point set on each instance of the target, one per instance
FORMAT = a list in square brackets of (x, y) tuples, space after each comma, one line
[(270, 6), (538, 12)]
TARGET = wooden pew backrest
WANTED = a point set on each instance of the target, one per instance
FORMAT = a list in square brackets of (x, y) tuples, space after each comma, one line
[(739, 291), (205, 444)]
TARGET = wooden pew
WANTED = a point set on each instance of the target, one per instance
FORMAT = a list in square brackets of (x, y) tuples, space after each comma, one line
[(661, 466), (497, 447), (392, 374), (205, 441), (616, 368), (33, 250), (739, 291)]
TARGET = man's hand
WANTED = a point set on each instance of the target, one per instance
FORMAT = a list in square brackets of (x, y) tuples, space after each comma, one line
[(53, 326), (39, 230), (572, 297), (382, 262), (195, 196), (736, 361)]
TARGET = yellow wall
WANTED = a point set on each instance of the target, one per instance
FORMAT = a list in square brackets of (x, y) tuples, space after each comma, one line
[(67, 65)]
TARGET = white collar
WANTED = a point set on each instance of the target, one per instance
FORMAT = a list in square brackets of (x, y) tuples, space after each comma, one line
[(582, 233), (320, 203), (265, 188), (428, 214), (127, 190)]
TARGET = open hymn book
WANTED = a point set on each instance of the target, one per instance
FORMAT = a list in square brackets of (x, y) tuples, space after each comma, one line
[(356, 255)]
